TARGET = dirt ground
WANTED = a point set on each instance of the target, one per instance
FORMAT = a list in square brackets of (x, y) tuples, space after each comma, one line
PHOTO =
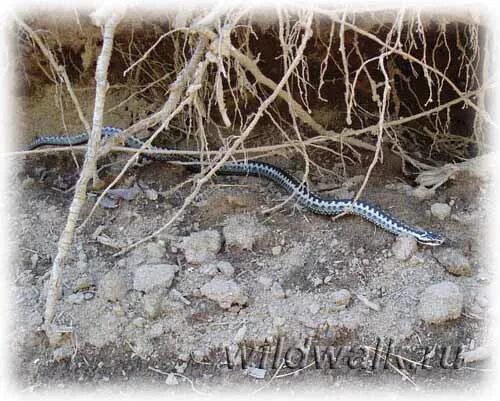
[(292, 275), (228, 283)]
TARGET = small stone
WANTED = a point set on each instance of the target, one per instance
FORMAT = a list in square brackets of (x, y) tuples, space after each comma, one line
[(113, 286), (139, 322), (76, 299), (155, 251), (404, 247), (171, 380), (224, 292), (88, 295), (341, 297), (28, 182), (150, 277), (266, 281), (202, 246), (276, 250), (454, 261), (243, 231), (156, 330), (34, 260), (152, 304), (440, 210), (423, 193), (225, 268), (151, 194), (440, 302), (313, 308), (277, 290), (83, 283)]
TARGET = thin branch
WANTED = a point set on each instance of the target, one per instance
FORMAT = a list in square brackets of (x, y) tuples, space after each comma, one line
[(88, 169)]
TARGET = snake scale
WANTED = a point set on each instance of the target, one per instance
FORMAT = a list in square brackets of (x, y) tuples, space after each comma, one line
[(308, 199)]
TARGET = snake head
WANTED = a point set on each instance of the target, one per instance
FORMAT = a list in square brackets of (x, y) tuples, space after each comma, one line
[(429, 238)]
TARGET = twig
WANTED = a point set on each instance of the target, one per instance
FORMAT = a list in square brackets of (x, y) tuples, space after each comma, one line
[(88, 169)]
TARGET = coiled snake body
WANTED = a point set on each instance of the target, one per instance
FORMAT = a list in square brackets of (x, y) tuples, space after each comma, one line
[(304, 196)]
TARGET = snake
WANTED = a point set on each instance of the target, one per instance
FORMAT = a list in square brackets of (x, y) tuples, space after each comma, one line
[(308, 199)]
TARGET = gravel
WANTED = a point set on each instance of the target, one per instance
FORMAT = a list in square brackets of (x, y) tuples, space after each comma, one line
[(440, 302), (201, 247)]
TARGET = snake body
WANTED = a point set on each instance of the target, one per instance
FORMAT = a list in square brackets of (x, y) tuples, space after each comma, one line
[(305, 197)]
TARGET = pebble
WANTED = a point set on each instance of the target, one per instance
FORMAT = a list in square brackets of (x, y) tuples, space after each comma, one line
[(314, 308), (225, 268), (224, 292), (151, 277), (88, 295), (113, 286), (440, 302), (139, 322), (277, 291), (266, 281), (454, 261), (151, 194), (171, 380), (83, 283), (440, 210), (276, 250), (243, 231), (341, 297), (422, 192), (404, 247), (152, 304), (201, 247), (76, 298), (155, 251)]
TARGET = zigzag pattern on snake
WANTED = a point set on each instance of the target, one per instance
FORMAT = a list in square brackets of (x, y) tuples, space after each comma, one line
[(308, 199)]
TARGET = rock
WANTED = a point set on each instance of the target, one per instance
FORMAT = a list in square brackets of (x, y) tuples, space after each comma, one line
[(201, 247), (224, 292), (266, 281), (341, 297), (150, 277), (276, 250), (454, 261), (277, 290), (155, 252), (83, 283), (440, 210), (151, 194), (423, 193), (440, 302), (77, 298), (313, 308), (152, 304), (113, 286), (404, 247), (225, 268), (139, 322), (243, 231), (171, 380)]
